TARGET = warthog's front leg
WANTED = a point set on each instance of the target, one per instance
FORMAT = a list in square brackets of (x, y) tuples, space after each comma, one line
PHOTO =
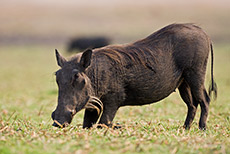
[(90, 118), (111, 103), (108, 116)]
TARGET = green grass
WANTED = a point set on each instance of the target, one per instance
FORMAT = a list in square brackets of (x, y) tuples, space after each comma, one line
[(28, 95)]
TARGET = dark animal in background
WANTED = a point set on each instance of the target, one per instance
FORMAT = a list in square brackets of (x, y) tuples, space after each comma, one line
[(83, 43), (139, 73)]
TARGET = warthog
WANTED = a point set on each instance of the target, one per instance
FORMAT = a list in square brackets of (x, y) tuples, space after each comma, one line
[(146, 71), (83, 43)]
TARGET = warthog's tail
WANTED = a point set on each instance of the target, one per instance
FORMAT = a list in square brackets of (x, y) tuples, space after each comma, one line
[(212, 86)]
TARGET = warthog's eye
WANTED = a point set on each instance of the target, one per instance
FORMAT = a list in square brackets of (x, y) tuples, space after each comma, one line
[(75, 76), (74, 79), (78, 80)]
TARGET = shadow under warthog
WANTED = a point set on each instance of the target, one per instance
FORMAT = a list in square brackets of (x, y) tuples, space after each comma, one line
[(139, 73)]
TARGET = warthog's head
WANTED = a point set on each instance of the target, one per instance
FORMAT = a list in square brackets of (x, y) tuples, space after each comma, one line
[(74, 88)]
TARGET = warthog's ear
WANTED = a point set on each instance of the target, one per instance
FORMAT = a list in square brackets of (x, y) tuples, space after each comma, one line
[(60, 60), (86, 58)]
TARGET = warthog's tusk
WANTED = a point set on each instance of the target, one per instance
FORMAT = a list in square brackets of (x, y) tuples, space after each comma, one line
[(58, 123), (96, 100), (90, 105)]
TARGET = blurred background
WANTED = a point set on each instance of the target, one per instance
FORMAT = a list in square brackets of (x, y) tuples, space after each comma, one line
[(55, 22)]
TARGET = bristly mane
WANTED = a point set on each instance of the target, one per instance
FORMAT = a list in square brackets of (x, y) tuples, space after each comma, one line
[(129, 54)]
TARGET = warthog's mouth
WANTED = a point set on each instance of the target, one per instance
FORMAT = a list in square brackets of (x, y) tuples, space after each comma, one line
[(93, 103), (60, 125)]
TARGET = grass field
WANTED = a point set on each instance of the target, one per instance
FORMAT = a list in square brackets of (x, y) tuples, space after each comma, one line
[(29, 95)]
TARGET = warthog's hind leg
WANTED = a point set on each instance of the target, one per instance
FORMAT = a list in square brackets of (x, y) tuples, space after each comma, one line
[(195, 80), (185, 93)]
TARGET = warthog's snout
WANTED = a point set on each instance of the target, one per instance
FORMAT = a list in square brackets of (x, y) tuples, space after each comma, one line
[(55, 124), (61, 123)]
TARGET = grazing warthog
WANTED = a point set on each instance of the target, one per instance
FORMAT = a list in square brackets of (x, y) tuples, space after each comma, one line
[(146, 71), (83, 43)]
